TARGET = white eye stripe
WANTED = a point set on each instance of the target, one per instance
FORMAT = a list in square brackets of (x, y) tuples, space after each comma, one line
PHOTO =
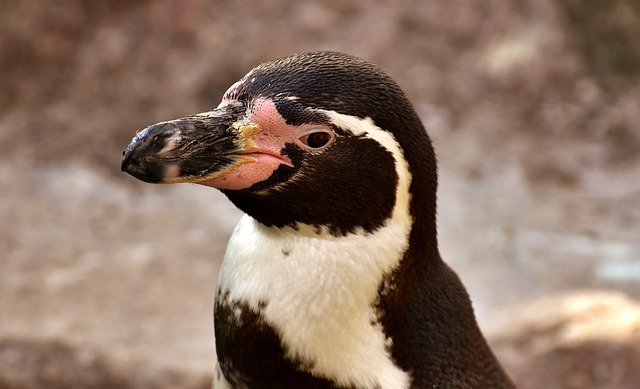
[(366, 127)]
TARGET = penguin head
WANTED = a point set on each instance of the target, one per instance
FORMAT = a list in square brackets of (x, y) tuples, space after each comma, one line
[(322, 139)]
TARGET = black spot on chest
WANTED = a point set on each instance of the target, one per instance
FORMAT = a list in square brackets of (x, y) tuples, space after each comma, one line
[(251, 354)]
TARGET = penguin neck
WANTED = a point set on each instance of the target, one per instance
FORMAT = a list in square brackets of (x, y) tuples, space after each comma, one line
[(319, 291), (309, 257)]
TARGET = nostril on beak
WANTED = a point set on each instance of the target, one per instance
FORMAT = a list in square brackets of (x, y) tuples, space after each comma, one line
[(126, 161)]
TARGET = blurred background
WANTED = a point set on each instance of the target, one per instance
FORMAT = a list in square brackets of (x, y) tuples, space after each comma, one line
[(533, 106)]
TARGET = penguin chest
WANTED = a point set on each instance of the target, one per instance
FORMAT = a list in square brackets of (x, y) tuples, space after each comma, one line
[(297, 306)]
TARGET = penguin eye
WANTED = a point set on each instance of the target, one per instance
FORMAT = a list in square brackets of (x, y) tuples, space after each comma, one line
[(316, 139)]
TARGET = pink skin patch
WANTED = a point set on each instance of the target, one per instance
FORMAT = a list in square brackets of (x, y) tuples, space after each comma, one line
[(262, 155)]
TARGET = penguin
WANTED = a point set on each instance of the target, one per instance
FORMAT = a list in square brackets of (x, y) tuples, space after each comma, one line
[(333, 277)]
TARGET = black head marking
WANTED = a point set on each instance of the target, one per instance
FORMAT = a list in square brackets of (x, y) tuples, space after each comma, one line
[(352, 184), (303, 83)]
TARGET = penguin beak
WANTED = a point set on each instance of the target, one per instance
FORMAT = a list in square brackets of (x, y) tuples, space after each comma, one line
[(202, 148)]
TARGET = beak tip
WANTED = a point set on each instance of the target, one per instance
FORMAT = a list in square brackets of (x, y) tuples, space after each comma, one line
[(124, 164), (189, 147)]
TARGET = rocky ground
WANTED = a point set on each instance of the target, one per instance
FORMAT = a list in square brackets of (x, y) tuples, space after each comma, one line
[(533, 107)]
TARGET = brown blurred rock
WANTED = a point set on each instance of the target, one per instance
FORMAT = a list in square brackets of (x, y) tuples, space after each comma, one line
[(52, 364), (578, 340)]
